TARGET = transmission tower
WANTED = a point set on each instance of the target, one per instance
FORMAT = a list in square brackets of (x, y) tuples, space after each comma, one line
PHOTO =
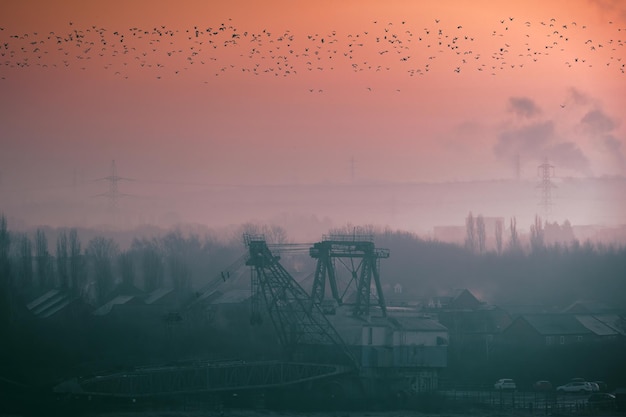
[(113, 194), (545, 172)]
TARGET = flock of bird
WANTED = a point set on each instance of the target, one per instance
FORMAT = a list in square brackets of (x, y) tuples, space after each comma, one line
[(217, 50)]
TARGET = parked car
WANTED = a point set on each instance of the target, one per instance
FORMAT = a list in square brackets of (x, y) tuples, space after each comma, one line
[(601, 385), (601, 401), (594, 387), (543, 386), (578, 387), (505, 384)]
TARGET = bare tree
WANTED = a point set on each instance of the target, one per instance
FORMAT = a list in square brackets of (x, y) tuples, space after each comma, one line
[(179, 270), (5, 246), (102, 251), (62, 260), (499, 230), (367, 230), (537, 242), (470, 233), (44, 265), (272, 233), (514, 243), (179, 250), (77, 267), (25, 266), (481, 233), (276, 234), (5, 239), (127, 267), (151, 263)]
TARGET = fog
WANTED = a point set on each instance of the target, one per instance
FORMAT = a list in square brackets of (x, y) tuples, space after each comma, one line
[(164, 171), (307, 210)]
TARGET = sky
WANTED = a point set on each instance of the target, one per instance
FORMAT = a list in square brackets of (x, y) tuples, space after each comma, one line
[(185, 96)]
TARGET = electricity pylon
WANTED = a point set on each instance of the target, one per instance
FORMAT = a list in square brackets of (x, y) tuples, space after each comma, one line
[(545, 172), (113, 194)]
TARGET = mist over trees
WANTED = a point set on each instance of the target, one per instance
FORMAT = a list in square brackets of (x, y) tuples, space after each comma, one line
[(544, 268), (518, 269)]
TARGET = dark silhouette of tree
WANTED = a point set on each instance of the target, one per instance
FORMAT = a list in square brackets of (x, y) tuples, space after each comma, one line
[(481, 233), (5, 239), (555, 233), (470, 233), (499, 232), (514, 242), (25, 263), (62, 260), (151, 263), (180, 252), (537, 241), (102, 251), (277, 234), (44, 264), (127, 267), (273, 233), (77, 263), (568, 231), (356, 230), (5, 273)]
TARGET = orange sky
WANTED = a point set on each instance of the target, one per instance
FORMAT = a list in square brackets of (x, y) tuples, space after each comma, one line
[(292, 92)]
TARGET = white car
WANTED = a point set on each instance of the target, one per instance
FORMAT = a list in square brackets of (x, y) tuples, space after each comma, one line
[(576, 386), (505, 384)]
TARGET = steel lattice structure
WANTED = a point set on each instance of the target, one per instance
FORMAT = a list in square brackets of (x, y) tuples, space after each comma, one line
[(359, 247), (298, 321)]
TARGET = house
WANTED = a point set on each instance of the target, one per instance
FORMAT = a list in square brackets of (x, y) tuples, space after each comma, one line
[(169, 298), (551, 330), (473, 332), (460, 299), (614, 321), (487, 320), (397, 296), (125, 288), (601, 331), (120, 300), (407, 348), (57, 303), (394, 342), (589, 307), (161, 296), (464, 300)]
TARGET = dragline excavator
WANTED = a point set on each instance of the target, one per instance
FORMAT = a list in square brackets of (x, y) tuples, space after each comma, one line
[(301, 326), (319, 362), (371, 345)]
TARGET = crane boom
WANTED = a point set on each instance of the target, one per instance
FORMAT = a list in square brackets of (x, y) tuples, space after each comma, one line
[(298, 321)]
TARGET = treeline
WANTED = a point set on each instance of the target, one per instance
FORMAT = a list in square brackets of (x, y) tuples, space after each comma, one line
[(31, 264), (529, 269), (517, 271), (550, 275)]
